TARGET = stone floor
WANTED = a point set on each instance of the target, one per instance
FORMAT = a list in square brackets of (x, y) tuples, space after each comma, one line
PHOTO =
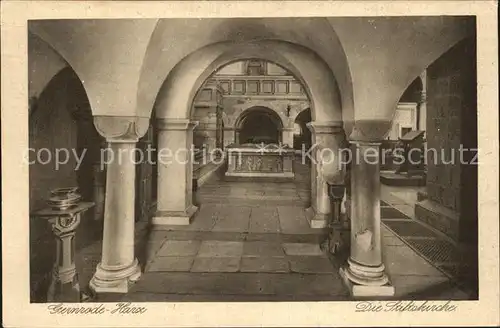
[(252, 242), (439, 250)]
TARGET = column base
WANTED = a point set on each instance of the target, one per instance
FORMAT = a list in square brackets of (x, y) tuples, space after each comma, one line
[(366, 281), (316, 220), (174, 217), (114, 281)]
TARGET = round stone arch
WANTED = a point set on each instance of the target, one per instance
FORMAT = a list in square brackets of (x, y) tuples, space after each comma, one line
[(174, 101)]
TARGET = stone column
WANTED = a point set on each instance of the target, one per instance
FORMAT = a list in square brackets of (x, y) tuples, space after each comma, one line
[(175, 172), (327, 137), (119, 266), (364, 273), (287, 137)]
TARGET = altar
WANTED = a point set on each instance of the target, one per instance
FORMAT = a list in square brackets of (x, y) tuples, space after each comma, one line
[(257, 162)]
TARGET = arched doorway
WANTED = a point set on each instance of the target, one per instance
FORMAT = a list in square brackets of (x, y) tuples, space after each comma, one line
[(302, 135), (259, 125), (61, 123)]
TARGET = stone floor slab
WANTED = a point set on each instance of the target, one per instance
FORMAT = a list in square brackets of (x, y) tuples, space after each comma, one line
[(303, 285), (233, 218), (157, 234), (293, 220), (185, 235), (311, 264), (269, 237), (214, 248), (224, 235), (264, 264), (386, 232), (300, 249), (216, 264), (151, 248), (154, 297), (408, 286), (290, 286), (198, 283), (392, 241), (179, 248), (205, 219), (317, 238), (391, 213)]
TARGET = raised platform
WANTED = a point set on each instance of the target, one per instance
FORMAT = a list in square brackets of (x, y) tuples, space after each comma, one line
[(390, 178)]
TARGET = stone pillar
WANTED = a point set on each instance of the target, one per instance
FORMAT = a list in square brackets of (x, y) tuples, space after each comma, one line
[(364, 273), (119, 266), (287, 137), (229, 136), (422, 105), (327, 137), (175, 172)]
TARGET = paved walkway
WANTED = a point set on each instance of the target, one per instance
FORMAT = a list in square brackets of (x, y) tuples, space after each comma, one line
[(251, 242)]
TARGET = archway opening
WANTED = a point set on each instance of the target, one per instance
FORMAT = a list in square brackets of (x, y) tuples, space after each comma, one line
[(259, 125)]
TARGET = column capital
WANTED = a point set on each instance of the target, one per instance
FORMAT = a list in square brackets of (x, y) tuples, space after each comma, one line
[(370, 131), (121, 128), (325, 127), (175, 124)]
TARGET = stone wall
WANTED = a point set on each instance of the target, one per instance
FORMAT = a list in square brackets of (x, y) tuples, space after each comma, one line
[(61, 119), (451, 204)]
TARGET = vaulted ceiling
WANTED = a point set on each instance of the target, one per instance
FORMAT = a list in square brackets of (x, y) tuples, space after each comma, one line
[(364, 64)]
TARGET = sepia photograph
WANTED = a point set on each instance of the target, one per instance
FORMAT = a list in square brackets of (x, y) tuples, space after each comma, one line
[(252, 161)]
